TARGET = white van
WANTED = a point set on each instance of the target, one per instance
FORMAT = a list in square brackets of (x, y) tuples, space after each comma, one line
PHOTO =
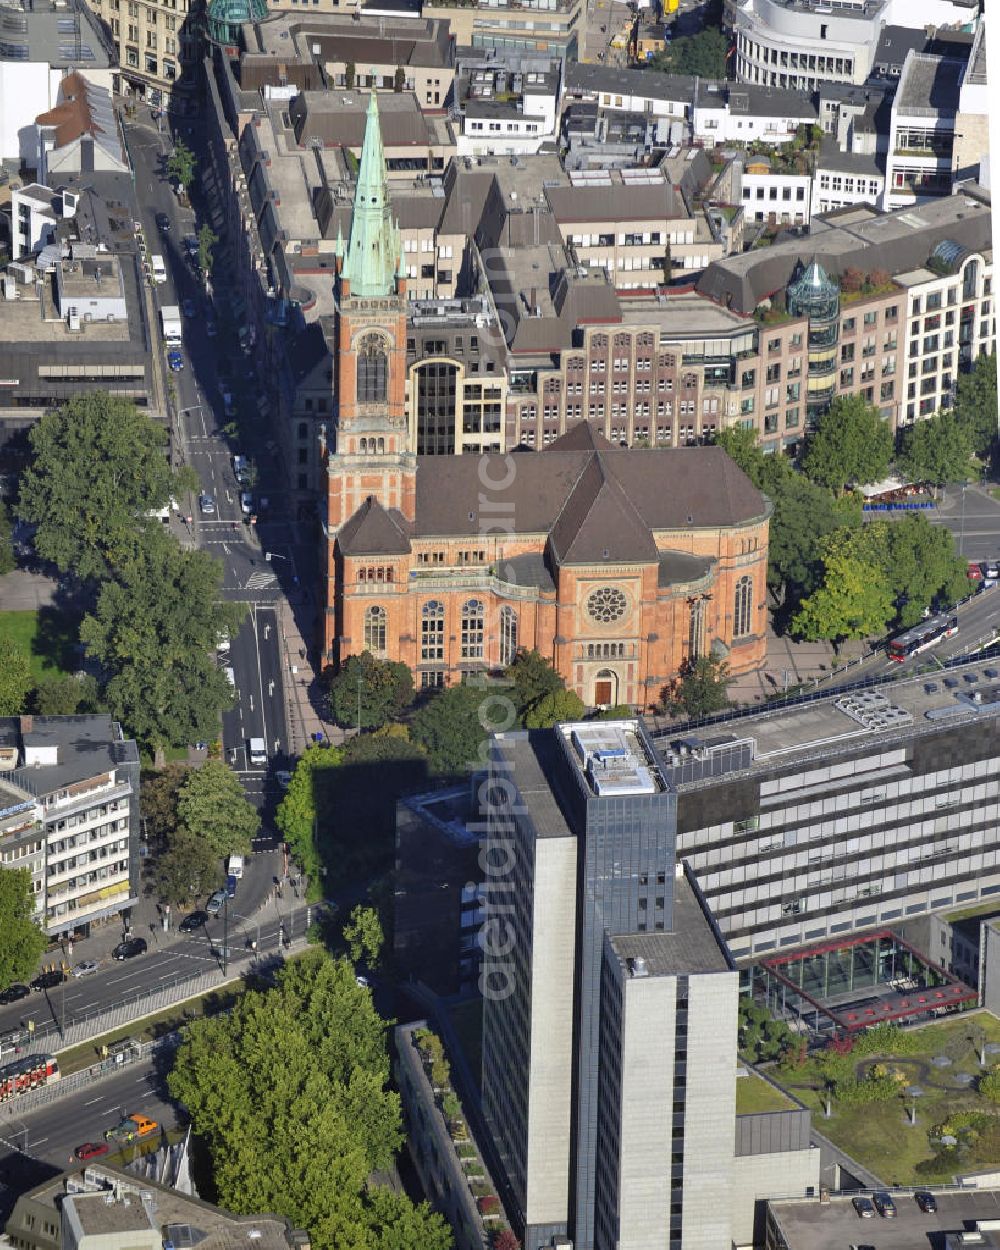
[(232, 677), (159, 269), (235, 866)]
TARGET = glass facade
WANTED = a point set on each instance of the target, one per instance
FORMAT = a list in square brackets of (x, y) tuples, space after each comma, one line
[(814, 295)]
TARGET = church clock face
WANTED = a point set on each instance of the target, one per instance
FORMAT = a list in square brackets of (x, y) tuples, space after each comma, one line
[(607, 604)]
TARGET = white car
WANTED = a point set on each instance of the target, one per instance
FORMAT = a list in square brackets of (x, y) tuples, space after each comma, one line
[(362, 982), (85, 967)]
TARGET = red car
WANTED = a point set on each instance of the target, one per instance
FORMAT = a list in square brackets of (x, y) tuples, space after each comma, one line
[(91, 1150)]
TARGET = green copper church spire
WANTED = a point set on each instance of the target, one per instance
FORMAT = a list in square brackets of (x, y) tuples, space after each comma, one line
[(373, 250)]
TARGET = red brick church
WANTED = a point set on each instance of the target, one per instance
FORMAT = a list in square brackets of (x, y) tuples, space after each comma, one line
[(617, 565)]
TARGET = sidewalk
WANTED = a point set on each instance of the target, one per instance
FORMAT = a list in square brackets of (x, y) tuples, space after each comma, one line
[(789, 664), (301, 682)]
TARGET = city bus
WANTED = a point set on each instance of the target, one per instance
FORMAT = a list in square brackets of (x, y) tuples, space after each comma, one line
[(27, 1073), (927, 634)]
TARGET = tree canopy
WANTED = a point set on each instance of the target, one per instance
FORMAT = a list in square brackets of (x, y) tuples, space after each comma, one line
[(15, 678), (452, 725), (7, 561), (551, 709), (701, 689), (385, 688), (852, 444), (65, 694), (181, 164), (21, 939), (187, 869), (364, 937), (303, 1068), (158, 800), (852, 602), (154, 631), (703, 54), (937, 449), (99, 467), (531, 677), (211, 804), (976, 404), (298, 811)]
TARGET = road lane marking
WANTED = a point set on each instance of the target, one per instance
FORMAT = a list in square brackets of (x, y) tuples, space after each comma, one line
[(93, 1100)]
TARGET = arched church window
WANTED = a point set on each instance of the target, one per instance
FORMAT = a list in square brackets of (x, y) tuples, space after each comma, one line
[(373, 370)]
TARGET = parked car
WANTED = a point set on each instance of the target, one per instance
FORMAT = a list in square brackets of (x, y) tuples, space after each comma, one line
[(974, 572), (129, 949), (231, 884), (91, 1150), (926, 1202), (216, 903), (49, 980), (884, 1204), (283, 778), (176, 361), (211, 329), (85, 967), (864, 1208), (14, 993), (246, 503), (207, 504), (189, 308), (362, 982), (991, 571), (196, 920), (163, 223)]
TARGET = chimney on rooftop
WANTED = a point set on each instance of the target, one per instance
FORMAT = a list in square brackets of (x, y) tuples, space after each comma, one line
[(27, 724)]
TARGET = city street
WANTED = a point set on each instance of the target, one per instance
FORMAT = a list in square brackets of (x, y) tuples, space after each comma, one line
[(973, 516), (253, 916), (209, 403)]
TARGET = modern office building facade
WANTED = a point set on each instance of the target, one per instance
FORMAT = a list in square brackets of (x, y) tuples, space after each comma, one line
[(609, 999), (847, 812)]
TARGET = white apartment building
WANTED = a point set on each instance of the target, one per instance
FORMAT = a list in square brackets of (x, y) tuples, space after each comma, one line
[(35, 211), (69, 807), (801, 43), (779, 199), (507, 114), (951, 320), (744, 113), (845, 178)]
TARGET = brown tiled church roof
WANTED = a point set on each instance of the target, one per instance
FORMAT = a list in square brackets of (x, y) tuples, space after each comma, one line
[(588, 496), (373, 532)]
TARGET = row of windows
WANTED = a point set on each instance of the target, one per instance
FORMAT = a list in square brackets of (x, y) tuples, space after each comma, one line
[(432, 625)]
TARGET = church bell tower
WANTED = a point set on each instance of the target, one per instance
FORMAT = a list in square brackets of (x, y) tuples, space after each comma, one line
[(367, 451)]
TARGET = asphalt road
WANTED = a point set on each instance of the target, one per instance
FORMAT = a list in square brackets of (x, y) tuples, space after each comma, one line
[(973, 516), (51, 1133), (253, 915), (215, 366)]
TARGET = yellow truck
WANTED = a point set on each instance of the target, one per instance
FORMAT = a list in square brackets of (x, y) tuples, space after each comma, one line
[(131, 1128)]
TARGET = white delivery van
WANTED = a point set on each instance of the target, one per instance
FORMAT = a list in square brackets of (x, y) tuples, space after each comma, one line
[(159, 269), (232, 677), (170, 320), (258, 752), (235, 866)]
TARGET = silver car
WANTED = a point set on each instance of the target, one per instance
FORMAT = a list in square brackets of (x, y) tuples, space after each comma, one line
[(216, 903), (85, 967), (207, 505)]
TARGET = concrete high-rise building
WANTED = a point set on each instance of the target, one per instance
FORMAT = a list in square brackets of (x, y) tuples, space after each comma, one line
[(609, 1046)]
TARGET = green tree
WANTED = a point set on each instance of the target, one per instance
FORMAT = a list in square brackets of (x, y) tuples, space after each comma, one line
[(7, 561), (916, 562), (364, 937), (189, 868), (15, 678), (740, 444), (853, 602), (99, 467), (804, 516), (452, 725), (532, 677), (385, 688), (852, 444), (937, 450), (305, 1068), (976, 404), (158, 800), (21, 939), (298, 811), (154, 630), (551, 709), (210, 803), (399, 79), (701, 689), (703, 54), (181, 164), (65, 694), (207, 239)]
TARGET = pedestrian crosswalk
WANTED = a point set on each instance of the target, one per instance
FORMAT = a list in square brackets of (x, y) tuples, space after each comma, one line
[(260, 581)]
